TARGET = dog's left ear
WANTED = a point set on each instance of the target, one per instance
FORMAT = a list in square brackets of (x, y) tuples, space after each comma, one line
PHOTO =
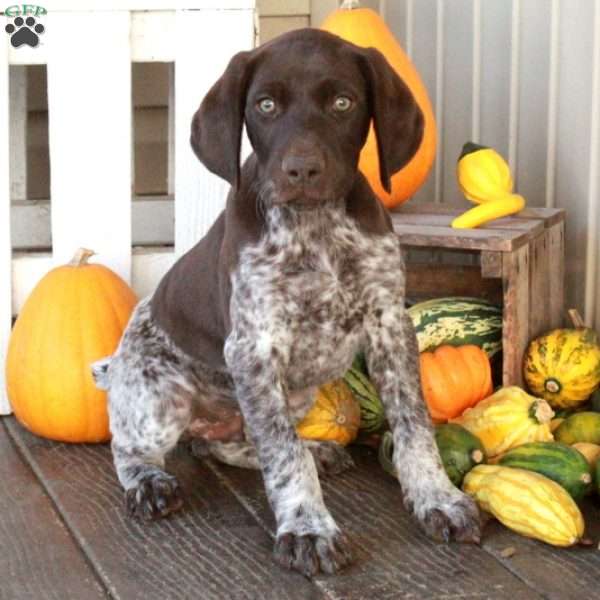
[(217, 125), (397, 119)]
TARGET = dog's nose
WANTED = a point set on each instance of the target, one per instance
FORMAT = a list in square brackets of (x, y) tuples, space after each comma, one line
[(303, 169)]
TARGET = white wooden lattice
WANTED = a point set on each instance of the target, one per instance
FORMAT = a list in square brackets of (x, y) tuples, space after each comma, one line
[(88, 47)]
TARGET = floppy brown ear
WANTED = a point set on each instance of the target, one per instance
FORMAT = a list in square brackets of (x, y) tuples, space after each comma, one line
[(397, 119), (217, 125)]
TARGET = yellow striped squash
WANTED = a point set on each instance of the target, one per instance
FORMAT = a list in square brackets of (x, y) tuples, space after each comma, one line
[(527, 503), (335, 415), (563, 366), (508, 418)]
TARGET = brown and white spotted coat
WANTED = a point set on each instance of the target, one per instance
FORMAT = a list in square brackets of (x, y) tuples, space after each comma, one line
[(300, 272)]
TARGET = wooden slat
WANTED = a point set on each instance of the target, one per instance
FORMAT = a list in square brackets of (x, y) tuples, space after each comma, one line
[(548, 215), (148, 267), (556, 274), (425, 280), (200, 195), (18, 132), (90, 136), (5, 251), (152, 222), (446, 237), (491, 264), (532, 228), (212, 549), (39, 559), (393, 559), (515, 322), (540, 270), (556, 573)]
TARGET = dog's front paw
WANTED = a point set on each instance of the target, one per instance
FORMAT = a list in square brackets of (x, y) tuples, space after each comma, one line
[(330, 458), (311, 554), (449, 516), (155, 496)]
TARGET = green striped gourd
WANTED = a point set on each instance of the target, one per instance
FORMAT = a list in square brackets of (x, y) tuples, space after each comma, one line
[(457, 321), (372, 415), (559, 462), (459, 450)]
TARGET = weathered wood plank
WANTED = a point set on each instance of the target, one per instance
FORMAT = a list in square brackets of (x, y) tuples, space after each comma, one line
[(469, 239), (425, 280), (39, 558), (557, 573), (550, 216), (515, 321), (556, 274), (532, 227), (539, 272), (393, 558), (212, 549)]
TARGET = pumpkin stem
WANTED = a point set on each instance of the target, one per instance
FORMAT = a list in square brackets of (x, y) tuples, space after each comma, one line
[(350, 4), (576, 318), (552, 385), (81, 257), (541, 411), (477, 456)]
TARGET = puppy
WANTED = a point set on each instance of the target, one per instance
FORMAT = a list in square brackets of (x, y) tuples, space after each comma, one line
[(300, 272)]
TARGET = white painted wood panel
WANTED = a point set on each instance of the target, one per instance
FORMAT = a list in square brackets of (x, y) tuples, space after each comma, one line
[(203, 52), (152, 222), (147, 268), (18, 132), (89, 107), (5, 250)]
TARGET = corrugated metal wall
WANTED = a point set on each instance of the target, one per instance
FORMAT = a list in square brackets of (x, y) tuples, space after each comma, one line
[(522, 76)]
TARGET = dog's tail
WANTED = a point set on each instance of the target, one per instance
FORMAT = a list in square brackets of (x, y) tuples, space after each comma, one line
[(100, 372)]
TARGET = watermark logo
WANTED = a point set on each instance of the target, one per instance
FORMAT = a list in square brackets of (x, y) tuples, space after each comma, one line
[(24, 27)]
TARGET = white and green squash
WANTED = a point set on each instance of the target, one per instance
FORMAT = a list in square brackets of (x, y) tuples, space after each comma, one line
[(457, 321)]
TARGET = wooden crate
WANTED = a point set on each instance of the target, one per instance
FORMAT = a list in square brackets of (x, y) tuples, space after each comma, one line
[(517, 261)]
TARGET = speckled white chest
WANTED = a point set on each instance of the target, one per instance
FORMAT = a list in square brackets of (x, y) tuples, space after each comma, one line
[(306, 287)]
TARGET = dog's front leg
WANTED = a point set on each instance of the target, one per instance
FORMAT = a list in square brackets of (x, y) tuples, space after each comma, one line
[(392, 356), (308, 539)]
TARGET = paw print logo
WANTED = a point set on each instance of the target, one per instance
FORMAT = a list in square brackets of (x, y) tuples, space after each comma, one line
[(24, 31)]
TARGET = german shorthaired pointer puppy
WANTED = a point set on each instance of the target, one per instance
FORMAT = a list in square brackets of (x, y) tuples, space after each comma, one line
[(299, 273)]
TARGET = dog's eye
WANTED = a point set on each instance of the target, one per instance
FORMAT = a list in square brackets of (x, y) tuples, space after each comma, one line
[(342, 103), (266, 105)]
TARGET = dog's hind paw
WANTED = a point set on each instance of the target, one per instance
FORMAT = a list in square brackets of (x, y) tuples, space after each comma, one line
[(155, 496), (457, 520), (311, 554), (330, 458)]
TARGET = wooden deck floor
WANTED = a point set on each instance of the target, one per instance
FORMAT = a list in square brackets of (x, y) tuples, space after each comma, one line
[(63, 535)]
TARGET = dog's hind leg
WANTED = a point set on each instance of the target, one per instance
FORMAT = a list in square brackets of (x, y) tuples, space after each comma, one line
[(150, 398)]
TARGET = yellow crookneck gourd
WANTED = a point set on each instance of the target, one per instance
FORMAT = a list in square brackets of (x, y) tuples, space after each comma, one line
[(485, 179)]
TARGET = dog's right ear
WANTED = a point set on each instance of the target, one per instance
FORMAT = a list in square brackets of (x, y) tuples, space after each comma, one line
[(217, 125)]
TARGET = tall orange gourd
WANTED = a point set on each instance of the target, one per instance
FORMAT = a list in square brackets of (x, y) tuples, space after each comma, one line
[(365, 28), (75, 315)]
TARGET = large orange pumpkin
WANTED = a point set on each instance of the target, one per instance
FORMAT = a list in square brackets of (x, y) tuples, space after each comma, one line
[(75, 315), (454, 379), (366, 28)]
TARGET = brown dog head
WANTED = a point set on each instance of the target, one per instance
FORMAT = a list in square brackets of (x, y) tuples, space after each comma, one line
[(307, 99)]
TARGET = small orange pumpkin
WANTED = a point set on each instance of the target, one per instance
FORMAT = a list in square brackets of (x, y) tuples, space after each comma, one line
[(75, 315), (454, 379), (366, 28), (335, 415)]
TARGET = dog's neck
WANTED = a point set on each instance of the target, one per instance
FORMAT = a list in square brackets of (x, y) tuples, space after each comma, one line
[(304, 221)]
